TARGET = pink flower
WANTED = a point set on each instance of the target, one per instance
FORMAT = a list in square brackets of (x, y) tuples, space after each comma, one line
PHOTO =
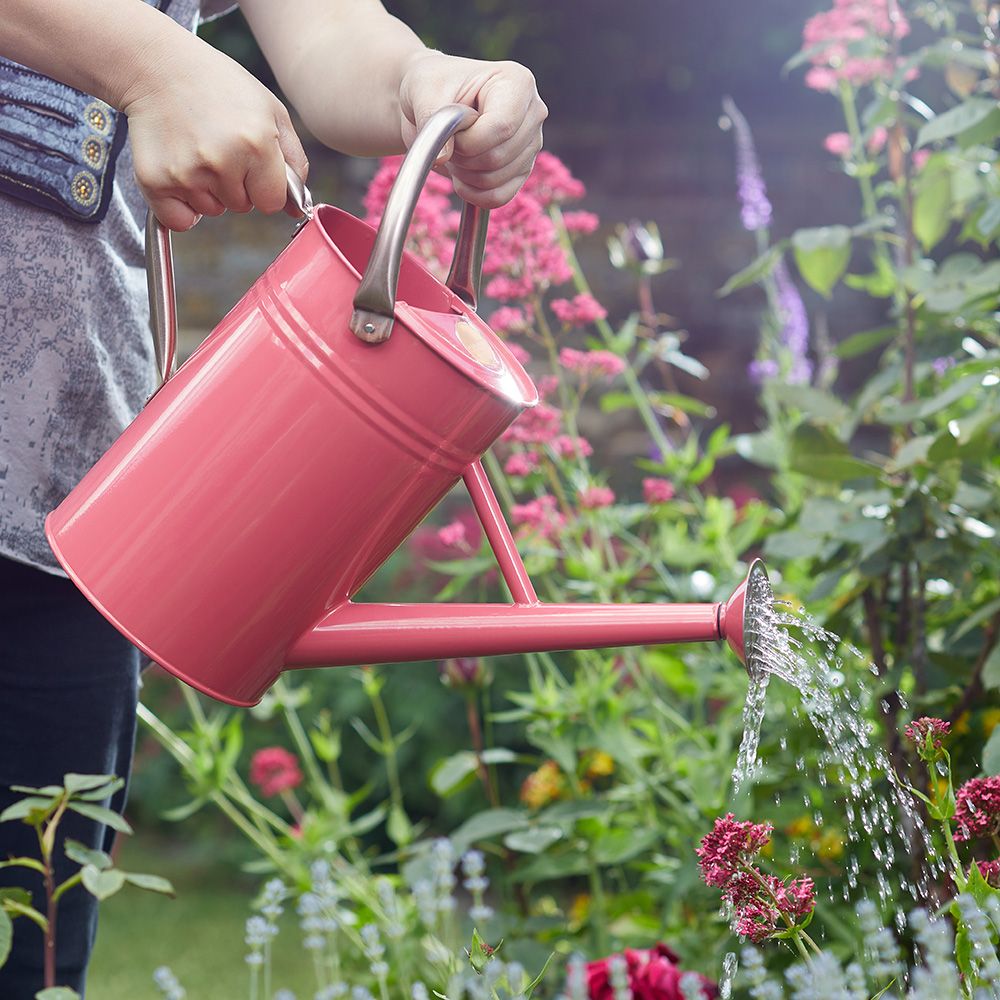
[(550, 180), (538, 425), (453, 535), (877, 140), (521, 463), (566, 446), (731, 845), (274, 770), (920, 157), (508, 319), (990, 870), (838, 144), (977, 808), (540, 515), (580, 222), (926, 735), (657, 490), (579, 311), (520, 354), (588, 363), (547, 385), (596, 497), (653, 974)]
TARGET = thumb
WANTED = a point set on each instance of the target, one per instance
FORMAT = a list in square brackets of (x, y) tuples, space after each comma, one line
[(419, 100)]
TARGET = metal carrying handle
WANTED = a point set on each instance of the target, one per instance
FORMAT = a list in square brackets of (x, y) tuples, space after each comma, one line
[(375, 301), (160, 277)]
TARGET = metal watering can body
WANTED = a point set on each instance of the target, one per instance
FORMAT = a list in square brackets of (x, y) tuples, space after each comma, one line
[(226, 530)]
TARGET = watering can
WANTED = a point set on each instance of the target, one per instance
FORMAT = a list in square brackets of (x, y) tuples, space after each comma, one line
[(226, 530)]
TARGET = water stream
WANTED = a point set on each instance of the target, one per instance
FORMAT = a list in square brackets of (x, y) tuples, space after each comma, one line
[(860, 782)]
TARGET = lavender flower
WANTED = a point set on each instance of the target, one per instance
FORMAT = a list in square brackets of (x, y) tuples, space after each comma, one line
[(166, 982), (791, 313), (474, 868), (755, 208), (618, 977)]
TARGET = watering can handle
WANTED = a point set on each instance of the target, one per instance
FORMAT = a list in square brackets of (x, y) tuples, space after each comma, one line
[(160, 277), (375, 300)]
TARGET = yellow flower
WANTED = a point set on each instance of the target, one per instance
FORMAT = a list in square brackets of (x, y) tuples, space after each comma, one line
[(831, 845), (961, 726), (599, 764), (991, 719), (579, 908), (801, 827), (543, 786)]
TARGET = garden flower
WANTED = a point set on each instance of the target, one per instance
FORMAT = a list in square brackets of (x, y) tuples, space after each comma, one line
[(587, 363), (543, 785), (838, 144), (926, 735), (581, 310), (521, 463), (977, 808), (566, 446), (755, 206), (453, 535), (580, 222), (508, 319), (551, 181), (540, 515), (275, 770), (655, 491), (596, 497), (651, 974), (990, 870), (465, 673), (729, 847), (538, 425)]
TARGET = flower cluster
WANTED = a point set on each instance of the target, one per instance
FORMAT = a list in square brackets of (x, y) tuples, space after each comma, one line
[(589, 364), (540, 516), (759, 901), (650, 974), (977, 808), (274, 770), (850, 42), (581, 310), (926, 735)]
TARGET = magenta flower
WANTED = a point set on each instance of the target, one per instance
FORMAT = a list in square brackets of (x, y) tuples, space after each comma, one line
[(591, 363), (990, 870), (596, 497), (977, 808), (838, 144), (655, 491), (581, 310), (539, 425), (453, 535), (926, 735), (540, 516), (508, 319), (521, 463), (580, 222), (550, 181), (275, 770), (730, 846), (566, 446)]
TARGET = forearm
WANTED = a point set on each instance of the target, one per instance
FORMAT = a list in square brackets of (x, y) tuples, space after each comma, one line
[(342, 74), (108, 48)]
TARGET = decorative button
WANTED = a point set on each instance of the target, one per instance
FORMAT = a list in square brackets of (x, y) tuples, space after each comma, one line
[(95, 152), (84, 188), (97, 115)]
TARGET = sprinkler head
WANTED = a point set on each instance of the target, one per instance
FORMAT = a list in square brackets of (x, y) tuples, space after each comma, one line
[(741, 616)]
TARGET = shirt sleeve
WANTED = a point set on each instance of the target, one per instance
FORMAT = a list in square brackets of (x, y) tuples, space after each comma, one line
[(211, 9)]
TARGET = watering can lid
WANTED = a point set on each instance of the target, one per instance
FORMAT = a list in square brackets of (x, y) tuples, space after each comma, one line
[(461, 338)]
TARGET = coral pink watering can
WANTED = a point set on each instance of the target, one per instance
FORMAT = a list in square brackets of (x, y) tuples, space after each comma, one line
[(226, 530)]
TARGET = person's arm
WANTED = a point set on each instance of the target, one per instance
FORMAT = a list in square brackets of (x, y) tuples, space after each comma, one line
[(364, 83), (206, 135)]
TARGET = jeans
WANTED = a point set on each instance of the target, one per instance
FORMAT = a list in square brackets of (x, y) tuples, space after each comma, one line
[(68, 692)]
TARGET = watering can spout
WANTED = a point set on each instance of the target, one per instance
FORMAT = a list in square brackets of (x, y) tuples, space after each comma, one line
[(740, 616)]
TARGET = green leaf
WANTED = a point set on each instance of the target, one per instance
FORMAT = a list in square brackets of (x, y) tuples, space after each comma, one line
[(151, 883), (106, 816), (57, 993), (90, 782), (678, 401), (30, 808), (991, 676), (489, 824), (956, 120), (812, 402), (84, 855), (6, 935), (989, 221), (880, 284), (612, 402), (756, 271), (533, 840), (25, 862), (818, 453), (178, 813), (480, 953), (102, 884), (399, 828), (991, 753), (453, 773), (822, 255), (932, 207)]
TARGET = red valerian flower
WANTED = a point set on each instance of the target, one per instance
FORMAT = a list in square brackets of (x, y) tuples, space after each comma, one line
[(926, 735), (977, 808), (990, 870), (653, 974), (274, 770), (729, 847)]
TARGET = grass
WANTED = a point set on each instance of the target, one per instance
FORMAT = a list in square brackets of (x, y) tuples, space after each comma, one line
[(199, 934)]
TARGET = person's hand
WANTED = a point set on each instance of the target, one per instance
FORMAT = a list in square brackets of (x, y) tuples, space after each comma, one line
[(207, 136), (489, 161)]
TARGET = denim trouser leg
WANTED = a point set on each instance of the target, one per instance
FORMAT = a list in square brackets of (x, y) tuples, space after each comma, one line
[(68, 688)]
